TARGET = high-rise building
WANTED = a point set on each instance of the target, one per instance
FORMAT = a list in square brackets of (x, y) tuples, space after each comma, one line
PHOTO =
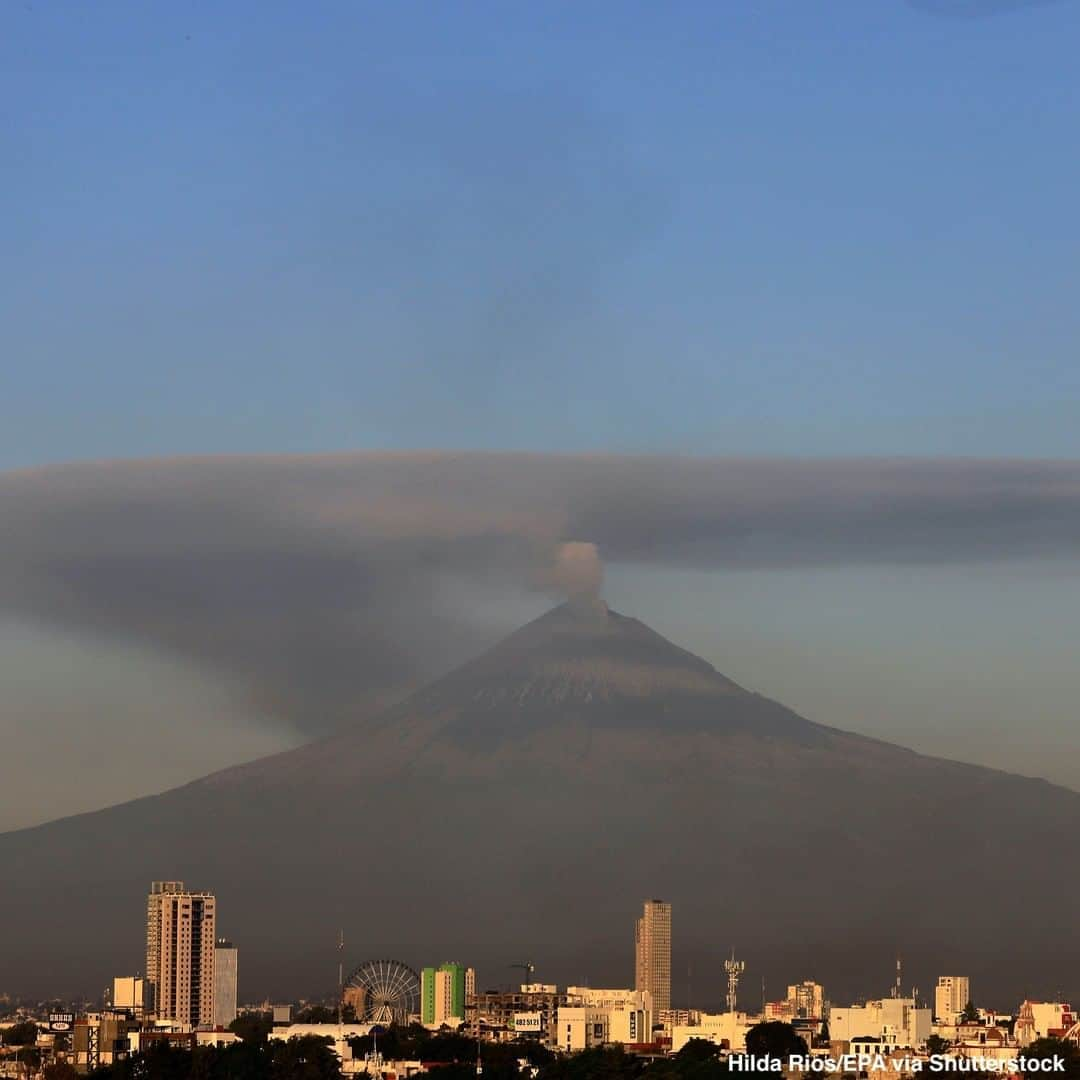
[(427, 995), (952, 993), (443, 991), (180, 954), (225, 965), (652, 950)]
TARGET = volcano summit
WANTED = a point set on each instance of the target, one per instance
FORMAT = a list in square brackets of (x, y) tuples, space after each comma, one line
[(532, 797)]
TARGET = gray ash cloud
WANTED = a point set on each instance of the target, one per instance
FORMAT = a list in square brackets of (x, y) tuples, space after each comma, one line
[(329, 585)]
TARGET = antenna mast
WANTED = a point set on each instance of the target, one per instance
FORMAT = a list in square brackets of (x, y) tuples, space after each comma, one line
[(340, 978), (734, 969)]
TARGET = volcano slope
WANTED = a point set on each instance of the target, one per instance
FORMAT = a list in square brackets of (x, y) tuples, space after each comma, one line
[(531, 799)]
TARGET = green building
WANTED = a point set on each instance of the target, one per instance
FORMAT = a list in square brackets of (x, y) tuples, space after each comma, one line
[(442, 994)]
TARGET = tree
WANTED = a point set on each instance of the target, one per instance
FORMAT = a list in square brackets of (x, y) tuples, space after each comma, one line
[(699, 1059), (60, 1070), (602, 1063), (317, 1014), (935, 1044), (698, 1050), (1042, 1049), (970, 1014), (774, 1039), (253, 1027), (308, 1057), (24, 1033)]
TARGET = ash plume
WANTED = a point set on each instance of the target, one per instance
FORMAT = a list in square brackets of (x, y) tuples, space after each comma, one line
[(579, 574), (327, 586)]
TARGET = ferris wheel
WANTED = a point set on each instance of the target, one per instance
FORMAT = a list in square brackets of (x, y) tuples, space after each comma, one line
[(391, 991)]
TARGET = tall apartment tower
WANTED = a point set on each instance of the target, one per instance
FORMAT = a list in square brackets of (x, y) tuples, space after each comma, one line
[(444, 992), (180, 954), (225, 964), (951, 995), (652, 953)]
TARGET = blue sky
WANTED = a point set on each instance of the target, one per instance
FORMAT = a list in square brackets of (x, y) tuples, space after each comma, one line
[(770, 227), (747, 227)]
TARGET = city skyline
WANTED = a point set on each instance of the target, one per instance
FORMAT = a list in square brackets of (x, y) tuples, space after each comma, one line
[(568, 1020), (581, 492)]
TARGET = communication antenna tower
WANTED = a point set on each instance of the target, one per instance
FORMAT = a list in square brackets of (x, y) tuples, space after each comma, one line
[(896, 986), (340, 979), (734, 969)]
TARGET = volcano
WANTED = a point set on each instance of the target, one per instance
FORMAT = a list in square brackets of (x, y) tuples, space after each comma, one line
[(525, 804)]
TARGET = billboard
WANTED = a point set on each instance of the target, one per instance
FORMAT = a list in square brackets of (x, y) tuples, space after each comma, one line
[(61, 1021)]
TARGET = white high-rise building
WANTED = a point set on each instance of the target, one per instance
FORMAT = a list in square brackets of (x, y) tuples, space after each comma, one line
[(180, 954), (652, 954), (952, 993), (225, 967)]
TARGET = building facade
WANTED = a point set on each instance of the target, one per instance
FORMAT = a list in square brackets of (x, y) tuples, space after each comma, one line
[(180, 947), (443, 993), (807, 1001), (129, 994), (951, 994), (598, 1017), (727, 1030), (497, 1012), (226, 962), (652, 954), (1042, 1019), (891, 1023)]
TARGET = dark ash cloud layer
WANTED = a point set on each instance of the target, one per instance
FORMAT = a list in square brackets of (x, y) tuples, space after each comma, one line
[(326, 585)]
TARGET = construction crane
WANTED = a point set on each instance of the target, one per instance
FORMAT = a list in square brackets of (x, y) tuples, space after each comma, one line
[(527, 966)]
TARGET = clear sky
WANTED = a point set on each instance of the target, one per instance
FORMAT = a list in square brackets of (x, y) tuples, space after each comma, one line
[(763, 228)]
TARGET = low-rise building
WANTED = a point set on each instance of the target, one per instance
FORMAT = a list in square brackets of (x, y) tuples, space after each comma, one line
[(101, 1038), (727, 1030), (669, 1019), (1040, 1019), (339, 1037), (890, 1022), (984, 1043), (582, 1027)]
